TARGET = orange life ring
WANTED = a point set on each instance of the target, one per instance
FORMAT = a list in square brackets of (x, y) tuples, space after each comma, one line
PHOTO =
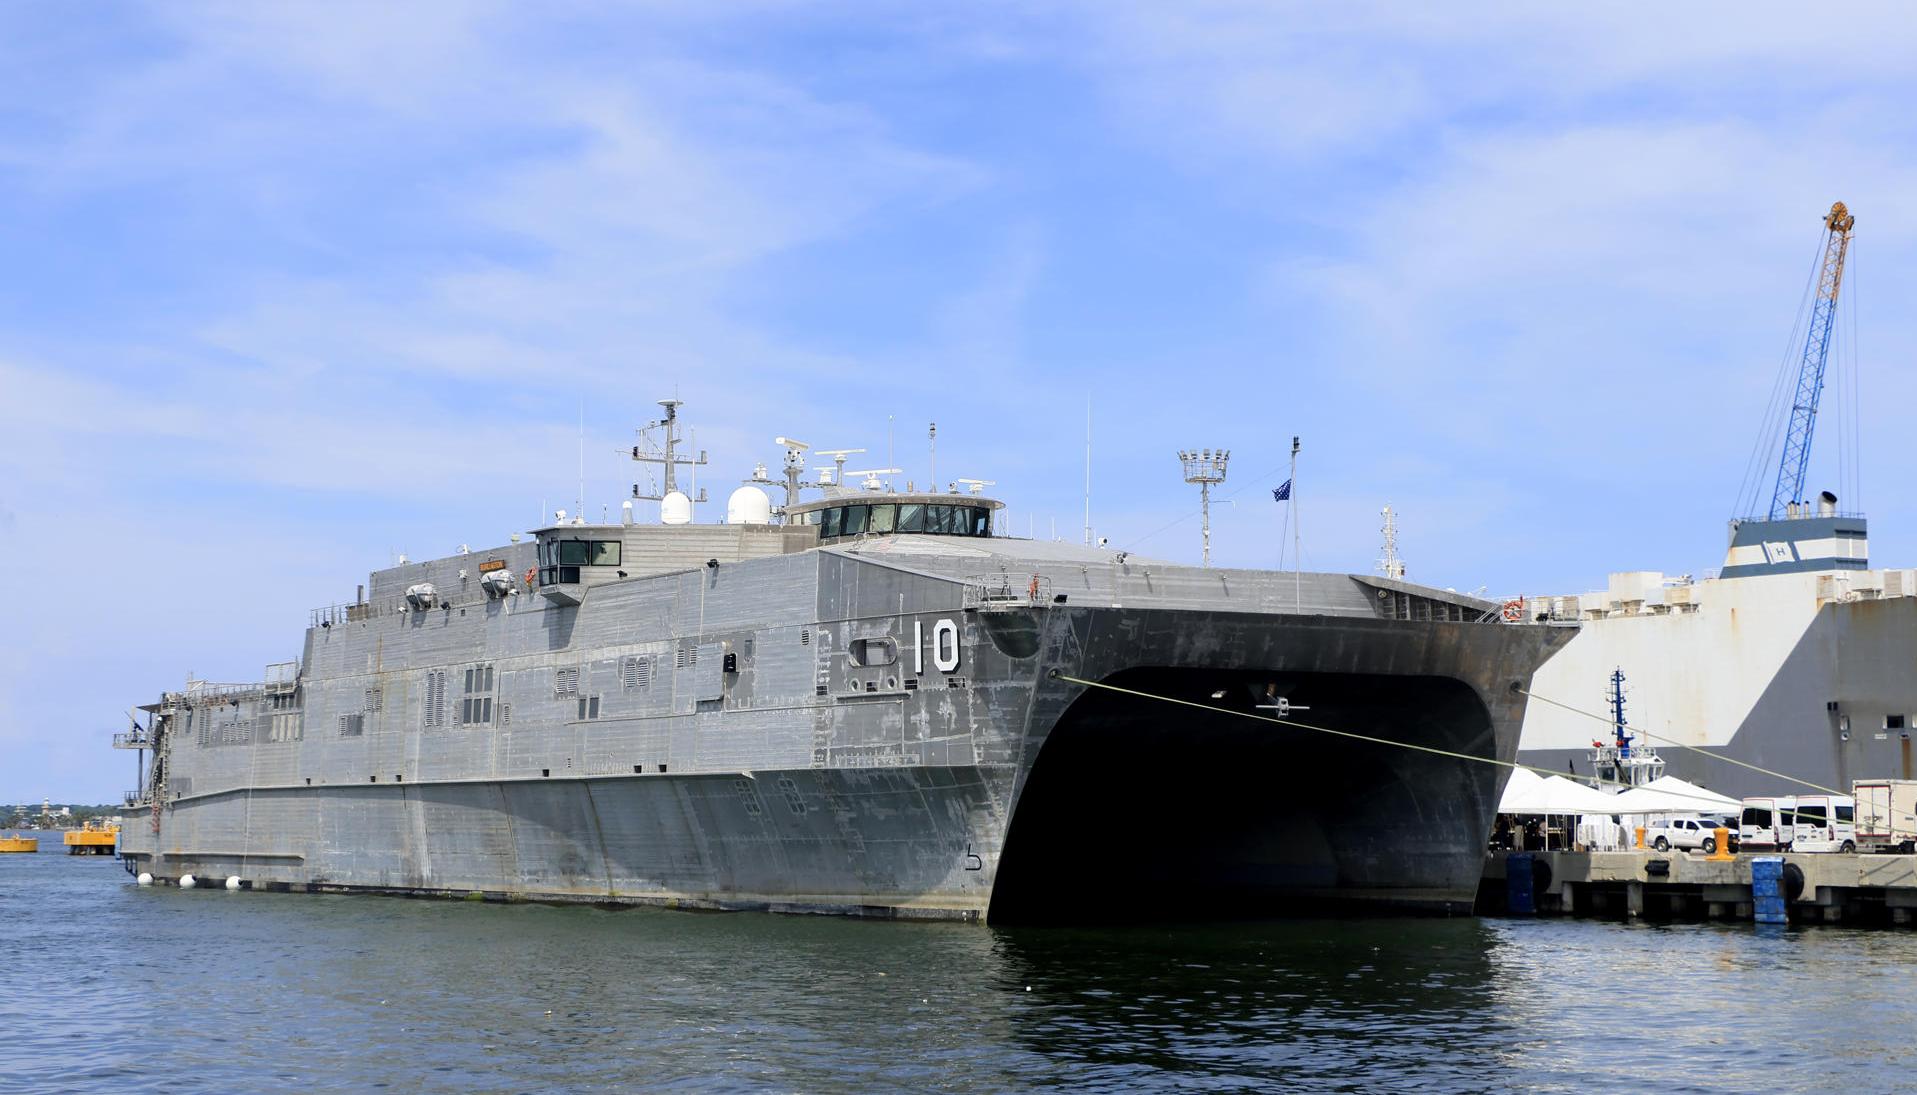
[(1514, 610), (531, 574)]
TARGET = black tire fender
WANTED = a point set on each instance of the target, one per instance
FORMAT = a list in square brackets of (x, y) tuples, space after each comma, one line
[(1793, 881)]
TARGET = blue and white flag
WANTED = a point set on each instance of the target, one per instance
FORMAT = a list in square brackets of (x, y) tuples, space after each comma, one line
[(1281, 493)]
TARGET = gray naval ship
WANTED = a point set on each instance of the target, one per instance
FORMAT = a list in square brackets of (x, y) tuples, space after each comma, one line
[(871, 702)]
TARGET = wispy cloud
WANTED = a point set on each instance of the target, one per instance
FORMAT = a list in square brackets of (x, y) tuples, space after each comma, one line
[(293, 286)]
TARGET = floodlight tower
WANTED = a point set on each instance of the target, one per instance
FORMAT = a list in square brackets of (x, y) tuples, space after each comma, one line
[(1204, 467)]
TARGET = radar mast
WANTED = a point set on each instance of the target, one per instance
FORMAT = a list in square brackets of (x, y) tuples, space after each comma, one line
[(665, 453)]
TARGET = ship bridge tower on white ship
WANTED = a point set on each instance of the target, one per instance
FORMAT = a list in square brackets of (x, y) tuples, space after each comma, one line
[(1621, 760)]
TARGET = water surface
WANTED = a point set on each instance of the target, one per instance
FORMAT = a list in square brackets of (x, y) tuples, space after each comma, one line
[(112, 987)]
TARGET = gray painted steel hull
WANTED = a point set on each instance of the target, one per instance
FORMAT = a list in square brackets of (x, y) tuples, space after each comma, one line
[(800, 772)]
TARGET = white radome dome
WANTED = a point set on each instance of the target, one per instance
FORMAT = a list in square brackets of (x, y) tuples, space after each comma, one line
[(675, 508), (748, 506)]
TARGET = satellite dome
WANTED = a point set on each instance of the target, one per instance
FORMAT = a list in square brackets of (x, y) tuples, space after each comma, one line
[(675, 508), (748, 506)]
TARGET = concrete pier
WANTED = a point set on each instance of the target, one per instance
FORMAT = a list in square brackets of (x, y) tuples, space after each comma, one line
[(1818, 888)]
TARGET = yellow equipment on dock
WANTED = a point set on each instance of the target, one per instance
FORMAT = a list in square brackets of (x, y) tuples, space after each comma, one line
[(19, 844), (97, 837)]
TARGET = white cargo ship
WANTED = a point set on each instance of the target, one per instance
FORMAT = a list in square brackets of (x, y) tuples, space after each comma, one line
[(1796, 657)]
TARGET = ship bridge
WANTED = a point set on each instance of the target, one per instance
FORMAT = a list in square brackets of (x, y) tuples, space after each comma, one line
[(883, 513)]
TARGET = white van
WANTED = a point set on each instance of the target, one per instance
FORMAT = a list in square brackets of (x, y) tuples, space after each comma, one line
[(1768, 823), (1825, 823)]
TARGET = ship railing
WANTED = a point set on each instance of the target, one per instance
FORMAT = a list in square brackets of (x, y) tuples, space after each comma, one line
[(133, 798), (336, 615), (205, 692), (1005, 590), (132, 739)]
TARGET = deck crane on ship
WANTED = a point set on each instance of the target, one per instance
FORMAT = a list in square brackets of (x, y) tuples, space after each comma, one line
[(1795, 534), (1794, 461)]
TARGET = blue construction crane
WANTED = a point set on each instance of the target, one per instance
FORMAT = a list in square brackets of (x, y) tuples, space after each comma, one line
[(1795, 461)]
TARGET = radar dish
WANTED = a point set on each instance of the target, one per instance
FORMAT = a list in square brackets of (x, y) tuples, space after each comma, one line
[(675, 508)]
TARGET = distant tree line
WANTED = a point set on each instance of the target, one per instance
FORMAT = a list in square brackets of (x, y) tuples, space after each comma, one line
[(58, 815)]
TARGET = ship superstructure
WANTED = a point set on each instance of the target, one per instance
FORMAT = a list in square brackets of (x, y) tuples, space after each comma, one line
[(866, 702)]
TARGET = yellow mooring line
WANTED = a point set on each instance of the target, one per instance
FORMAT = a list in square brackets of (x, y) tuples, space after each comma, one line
[(1375, 740), (1607, 720)]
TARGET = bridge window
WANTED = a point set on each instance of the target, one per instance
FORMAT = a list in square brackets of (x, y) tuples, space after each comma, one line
[(560, 560), (888, 517)]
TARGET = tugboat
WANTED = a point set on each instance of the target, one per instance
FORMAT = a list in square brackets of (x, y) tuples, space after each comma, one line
[(870, 702), (1621, 763)]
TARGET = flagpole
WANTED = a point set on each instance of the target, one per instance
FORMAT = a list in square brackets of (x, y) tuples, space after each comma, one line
[(1291, 500)]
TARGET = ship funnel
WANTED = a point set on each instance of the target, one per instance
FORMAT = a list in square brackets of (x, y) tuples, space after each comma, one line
[(1826, 504)]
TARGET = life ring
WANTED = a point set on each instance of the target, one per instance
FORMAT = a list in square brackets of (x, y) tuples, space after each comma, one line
[(531, 574), (1514, 610)]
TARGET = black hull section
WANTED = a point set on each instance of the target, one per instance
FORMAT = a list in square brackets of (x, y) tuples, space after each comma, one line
[(1139, 808)]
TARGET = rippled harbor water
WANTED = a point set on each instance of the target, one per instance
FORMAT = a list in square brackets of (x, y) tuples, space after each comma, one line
[(111, 987)]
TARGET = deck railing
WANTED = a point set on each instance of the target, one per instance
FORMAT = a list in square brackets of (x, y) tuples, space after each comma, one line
[(1006, 590)]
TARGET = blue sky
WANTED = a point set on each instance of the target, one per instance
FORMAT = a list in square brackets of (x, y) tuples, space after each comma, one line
[(291, 288)]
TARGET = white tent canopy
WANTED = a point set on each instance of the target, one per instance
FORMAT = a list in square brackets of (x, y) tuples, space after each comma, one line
[(1670, 795), (1529, 793)]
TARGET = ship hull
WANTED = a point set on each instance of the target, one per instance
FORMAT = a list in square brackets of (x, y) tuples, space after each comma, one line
[(1774, 685), (1094, 763)]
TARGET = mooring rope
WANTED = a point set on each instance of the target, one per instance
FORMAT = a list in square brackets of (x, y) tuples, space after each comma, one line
[(1454, 754), (1609, 721)]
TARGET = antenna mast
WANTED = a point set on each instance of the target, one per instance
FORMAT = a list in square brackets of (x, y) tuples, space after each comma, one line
[(794, 469), (1088, 471), (668, 455), (1205, 467), (1389, 564), (1297, 548)]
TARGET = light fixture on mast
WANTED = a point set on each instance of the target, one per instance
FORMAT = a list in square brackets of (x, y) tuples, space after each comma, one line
[(1205, 467)]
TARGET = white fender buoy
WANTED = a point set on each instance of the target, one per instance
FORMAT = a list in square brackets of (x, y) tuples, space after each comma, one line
[(233, 882), (145, 879), (187, 882)]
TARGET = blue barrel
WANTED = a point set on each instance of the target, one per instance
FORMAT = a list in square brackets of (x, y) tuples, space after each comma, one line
[(1519, 897), (1767, 890)]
